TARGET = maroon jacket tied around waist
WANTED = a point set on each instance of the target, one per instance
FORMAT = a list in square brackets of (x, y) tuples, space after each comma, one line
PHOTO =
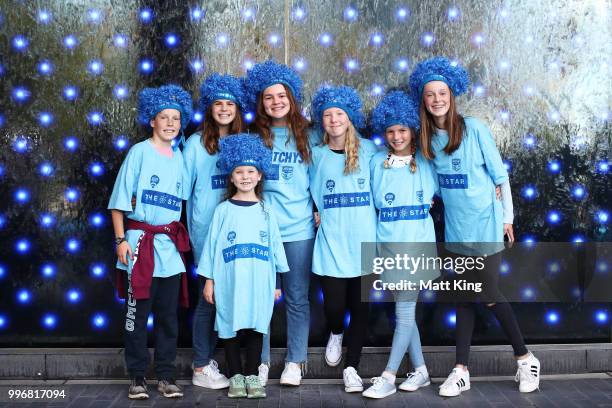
[(144, 263)]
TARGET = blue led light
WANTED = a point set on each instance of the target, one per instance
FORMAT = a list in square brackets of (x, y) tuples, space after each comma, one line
[(197, 14), (98, 270), (197, 117), (554, 166), (298, 14), (248, 14), (71, 143), (196, 65), (24, 296), (120, 91), (47, 220), (94, 16), (402, 13), (172, 40), (274, 39), (249, 117), (325, 39), (378, 141), (70, 92), (99, 320), (45, 118), (504, 268), (121, 143), (73, 245), (2, 224), (601, 316), (222, 40), (554, 268), (146, 66), (70, 41), (554, 116), (2, 271), (578, 239), (97, 220), (453, 13), (528, 293), (47, 270), (529, 192), (402, 64), (578, 192), (49, 320), (602, 216), (350, 14), (3, 321), (504, 65), (376, 39), (95, 67), (20, 43), (347, 319), (479, 90), (603, 167), (120, 40), (96, 169), (43, 16), (45, 67), (351, 64), (428, 39), (21, 94), (248, 64), (554, 217), (1, 125), (150, 322), (529, 140), (146, 15), (478, 39), (95, 118), (377, 90), (300, 64), (508, 165), (451, 319), (552, 317), (71, 194), (21, 144), (529, 240), (73, 296), (22, 195), (504, 115)]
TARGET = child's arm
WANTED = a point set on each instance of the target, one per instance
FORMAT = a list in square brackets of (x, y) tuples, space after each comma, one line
[(209, 291), (123, 249)]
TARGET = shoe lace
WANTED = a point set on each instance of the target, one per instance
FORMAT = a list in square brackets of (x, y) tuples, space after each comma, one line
[(253, 380), (212, 369), (378, 382)]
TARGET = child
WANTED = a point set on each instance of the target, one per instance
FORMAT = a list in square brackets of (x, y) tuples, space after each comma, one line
[(469, 168), (403, 185), (340, 185), (276, 92), (148, 249), (242, 253), (222, 101)]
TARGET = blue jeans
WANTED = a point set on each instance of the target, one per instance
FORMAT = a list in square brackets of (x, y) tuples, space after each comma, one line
[(296, 284), (405, 338), (204, 334)]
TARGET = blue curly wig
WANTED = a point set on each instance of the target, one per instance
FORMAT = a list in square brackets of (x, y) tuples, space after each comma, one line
[(151, 101), (396, 108), (342, 97), (266, 74), (438, 69), (217, 87), (244, 149)]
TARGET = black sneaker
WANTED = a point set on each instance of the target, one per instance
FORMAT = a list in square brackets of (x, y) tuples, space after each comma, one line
[(169, 389), (138, 389)]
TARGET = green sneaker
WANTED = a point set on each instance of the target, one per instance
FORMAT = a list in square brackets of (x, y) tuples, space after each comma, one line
[(237, 387), (254, 387)]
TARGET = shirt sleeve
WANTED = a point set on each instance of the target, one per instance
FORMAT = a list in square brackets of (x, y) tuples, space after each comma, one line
[(506, 195), (125, 184), (276, 244), (492, 158), (189, 168)]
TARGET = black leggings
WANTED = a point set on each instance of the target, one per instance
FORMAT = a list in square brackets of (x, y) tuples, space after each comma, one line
[(253, 341), (489, 277), (340, 294)]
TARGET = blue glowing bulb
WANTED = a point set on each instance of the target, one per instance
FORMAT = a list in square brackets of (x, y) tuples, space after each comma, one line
[(529, 192), (554, 166), (71, 194), (45, 67), (504, 65), (249, 117), (578, 239), (94, 16), (376, 39), (274, 39), (1, 124), (95, 67), (96, 169), (578, 192), (452, 13), (529, 240), (95, 118), (198, 117), (21, 144), (21, 94), (529, 141), (552, 317), (2, 224), (22, 195), (602, 216), (300, 64), (350, 14), (402, 64), (478, 39), (504, 115), (49, 321), (554, 268), (150, 322), (70, 41), (98, 270), (1, 69), (528, 293), (554, 116), (47, 270), (504, 13), (222, 40), (247, 64), (197, 65), (120, 92), (376, 90), (428, 39), (23, 296), (528, 90), (402, 13), (554, 217), (99, 320), (479, 90), (20, 43), (97, 220), (172, 40), (72, 245), (146, 66), (603, 167), (70, 93), (197, 14), (451, 319), (120, 40), (378, 141), (504, 268), (71, 143), (3, 321), (146, 15), (45, 118), (601, 316), (248, 14), (298, 14), (43, 16), (325, 39), (73, 296), (351, 64), (47, 220), (120, 143), (2, 271)]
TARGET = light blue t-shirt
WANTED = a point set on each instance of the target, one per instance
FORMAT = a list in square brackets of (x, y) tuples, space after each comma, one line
[(242, 253), (204, 186), (287, 190), (347, 212), (156, 182), (467, 180)]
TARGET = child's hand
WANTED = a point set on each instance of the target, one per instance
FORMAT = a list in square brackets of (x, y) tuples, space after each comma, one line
[(498, 192), (133, 203), (209, 291), (277, 294), (509, 231), (317, 219), (123, 251)]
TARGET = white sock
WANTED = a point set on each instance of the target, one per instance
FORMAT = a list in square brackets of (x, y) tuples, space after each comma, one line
[(388, 376), (423, 370)]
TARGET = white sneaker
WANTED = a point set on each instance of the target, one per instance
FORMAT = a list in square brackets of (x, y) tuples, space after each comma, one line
[(528, 374), (333, 351), (457, 381), (415, 381), (210, 377), (263, 371), (382, 388), (352, 380), (292, 374)]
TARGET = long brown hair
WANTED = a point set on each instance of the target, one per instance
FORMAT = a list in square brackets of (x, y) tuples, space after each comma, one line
[(297, 124), (351, 149), (210, 129), (455, 126)]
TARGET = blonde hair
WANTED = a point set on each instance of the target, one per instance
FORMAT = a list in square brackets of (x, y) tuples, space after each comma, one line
[(351, 149)]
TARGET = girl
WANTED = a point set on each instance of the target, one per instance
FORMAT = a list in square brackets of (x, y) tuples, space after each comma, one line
[(241, 256), (222, 99), (469, 168), (150, 246), (403, 185), (340, 185), (276, 92)]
